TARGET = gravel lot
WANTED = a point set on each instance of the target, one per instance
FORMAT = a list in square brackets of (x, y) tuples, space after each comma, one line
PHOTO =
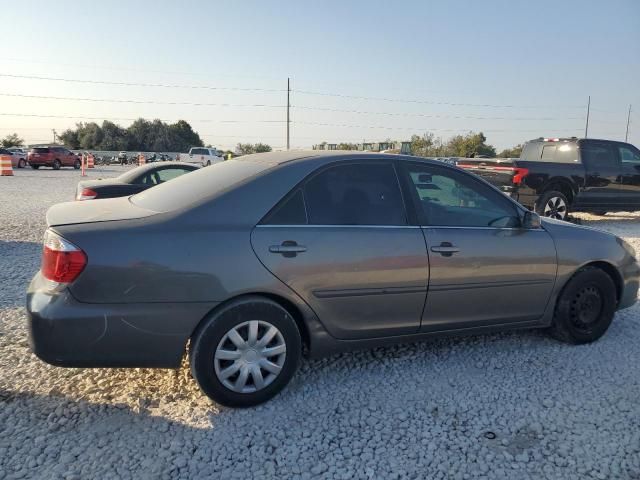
[(511, 406)]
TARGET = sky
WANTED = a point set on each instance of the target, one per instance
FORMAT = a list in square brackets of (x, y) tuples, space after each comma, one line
[(360, 70)]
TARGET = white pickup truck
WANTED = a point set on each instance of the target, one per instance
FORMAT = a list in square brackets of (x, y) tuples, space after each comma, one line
[(202, 156)]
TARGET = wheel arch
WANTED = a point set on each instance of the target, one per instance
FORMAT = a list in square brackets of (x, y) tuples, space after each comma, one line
[(287, 304), (607, 268), (561, 185)]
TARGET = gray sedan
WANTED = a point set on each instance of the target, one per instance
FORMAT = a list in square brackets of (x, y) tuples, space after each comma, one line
[(254, 262)]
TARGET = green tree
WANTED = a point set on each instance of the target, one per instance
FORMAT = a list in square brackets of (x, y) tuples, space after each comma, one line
[(248, 148), (470, 145), (513, 152), (70, 138), (12, 140)]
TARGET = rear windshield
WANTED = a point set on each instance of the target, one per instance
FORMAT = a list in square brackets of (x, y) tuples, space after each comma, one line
[(557, 152), (40, 150), (204, 183)]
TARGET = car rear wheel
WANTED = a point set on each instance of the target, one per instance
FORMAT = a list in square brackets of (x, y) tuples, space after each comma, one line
[(76, 164), (553, 204), (245, 353), (56, 164), (585, 307), (21, 163), (35, 167)]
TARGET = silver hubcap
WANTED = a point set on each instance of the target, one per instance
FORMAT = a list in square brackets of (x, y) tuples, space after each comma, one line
[(555, 208), (250, 356)]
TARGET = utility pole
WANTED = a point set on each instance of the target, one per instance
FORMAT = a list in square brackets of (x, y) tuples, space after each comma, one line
[(54, 135), (586, 128), (288, 114), (626, 135)]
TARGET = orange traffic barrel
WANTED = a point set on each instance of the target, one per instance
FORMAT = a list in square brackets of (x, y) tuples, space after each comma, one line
[(6, 170)]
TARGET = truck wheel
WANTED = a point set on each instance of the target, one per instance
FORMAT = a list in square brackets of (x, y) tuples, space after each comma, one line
[(585, 307), (245, 353), (553, 204)]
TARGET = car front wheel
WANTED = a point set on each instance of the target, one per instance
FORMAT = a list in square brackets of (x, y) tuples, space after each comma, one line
[(245, 353), (585, 307)]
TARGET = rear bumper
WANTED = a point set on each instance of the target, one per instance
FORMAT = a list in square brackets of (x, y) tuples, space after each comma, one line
[(68, 333)]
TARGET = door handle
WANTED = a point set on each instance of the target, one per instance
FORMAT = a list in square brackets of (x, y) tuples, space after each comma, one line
[(288, 248), (446, 249)]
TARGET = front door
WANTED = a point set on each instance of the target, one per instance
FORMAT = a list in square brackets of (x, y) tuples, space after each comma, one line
[(342, 242), (484, 269)]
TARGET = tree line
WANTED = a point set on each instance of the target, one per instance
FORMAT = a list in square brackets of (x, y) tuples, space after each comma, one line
[(466, 146), (142, 135)]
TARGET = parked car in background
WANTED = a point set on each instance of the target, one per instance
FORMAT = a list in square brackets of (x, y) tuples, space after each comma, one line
[(19, 157), (202, 156), (16, 162), (555, 176), (133, 181), (257, 260), (54, 157)]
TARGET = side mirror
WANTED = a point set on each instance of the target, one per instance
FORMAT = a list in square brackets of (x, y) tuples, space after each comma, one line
[(531, 220)]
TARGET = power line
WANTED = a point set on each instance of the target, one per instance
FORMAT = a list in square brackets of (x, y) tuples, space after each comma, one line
[(149, 102), (82, 117), (429, 102), (423, 115), (132, 84), (424, 129)]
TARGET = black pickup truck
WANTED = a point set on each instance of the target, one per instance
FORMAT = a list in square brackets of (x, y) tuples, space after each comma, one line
[(554, 176)]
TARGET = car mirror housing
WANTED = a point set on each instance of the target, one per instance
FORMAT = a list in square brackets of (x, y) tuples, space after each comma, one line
[(531, 220)]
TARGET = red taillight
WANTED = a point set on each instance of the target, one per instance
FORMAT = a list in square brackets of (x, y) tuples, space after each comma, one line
[(519, 174), (62, 261), (86, 194)]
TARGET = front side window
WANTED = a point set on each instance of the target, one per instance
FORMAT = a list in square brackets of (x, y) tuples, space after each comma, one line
[(355, 194), (454, 199), (628, 154)]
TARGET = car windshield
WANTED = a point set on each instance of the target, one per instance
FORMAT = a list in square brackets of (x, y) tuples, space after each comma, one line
[(207, 182)]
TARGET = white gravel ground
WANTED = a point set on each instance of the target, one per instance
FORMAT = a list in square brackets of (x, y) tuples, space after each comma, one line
[(427, 410)]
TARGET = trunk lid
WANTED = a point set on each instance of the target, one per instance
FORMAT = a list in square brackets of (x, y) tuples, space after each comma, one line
[(110, 209)]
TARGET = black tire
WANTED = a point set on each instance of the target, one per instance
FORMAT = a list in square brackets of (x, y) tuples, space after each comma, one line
[(585, 307), (56, 164), (208, 163), (35, 167), (213, 329), (76, 164), (553, 204), (21, 163)]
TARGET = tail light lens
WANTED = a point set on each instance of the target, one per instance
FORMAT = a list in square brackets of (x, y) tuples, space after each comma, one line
[(519, 174), (86, 194), (62, 261)]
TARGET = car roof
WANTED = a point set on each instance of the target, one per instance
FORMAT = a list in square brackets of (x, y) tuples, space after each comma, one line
[(274, 159)]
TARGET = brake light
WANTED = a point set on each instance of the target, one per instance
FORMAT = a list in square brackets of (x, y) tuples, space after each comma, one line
[(551, 139), (86, 194), (519, 174), (62, 261)]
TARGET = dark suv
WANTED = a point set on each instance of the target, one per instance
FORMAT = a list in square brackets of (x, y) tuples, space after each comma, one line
[(54, 157), (556, 175)]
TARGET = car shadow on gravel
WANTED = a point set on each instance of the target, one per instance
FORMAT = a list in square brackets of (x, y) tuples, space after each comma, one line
[(19, 261), (72, 438)]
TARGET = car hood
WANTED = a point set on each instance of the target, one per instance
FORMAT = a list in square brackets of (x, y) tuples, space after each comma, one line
[(110, 209)]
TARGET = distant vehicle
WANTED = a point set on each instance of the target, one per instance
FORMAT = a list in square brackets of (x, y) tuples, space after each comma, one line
[(202, 156), (257, 261), (555, 176), (54, 157), (16, 161), (133, 181), (20, 155)]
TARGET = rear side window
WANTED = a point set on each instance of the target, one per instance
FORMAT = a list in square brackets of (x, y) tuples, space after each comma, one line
[(291, 211), (355, 194)]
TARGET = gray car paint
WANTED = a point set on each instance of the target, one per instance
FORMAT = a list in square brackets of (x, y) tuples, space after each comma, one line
[(153, 276)]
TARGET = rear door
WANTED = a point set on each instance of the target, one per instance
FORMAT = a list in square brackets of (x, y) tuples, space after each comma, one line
[(629, 180), (342, 242), (484, 269), (602, 171)]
